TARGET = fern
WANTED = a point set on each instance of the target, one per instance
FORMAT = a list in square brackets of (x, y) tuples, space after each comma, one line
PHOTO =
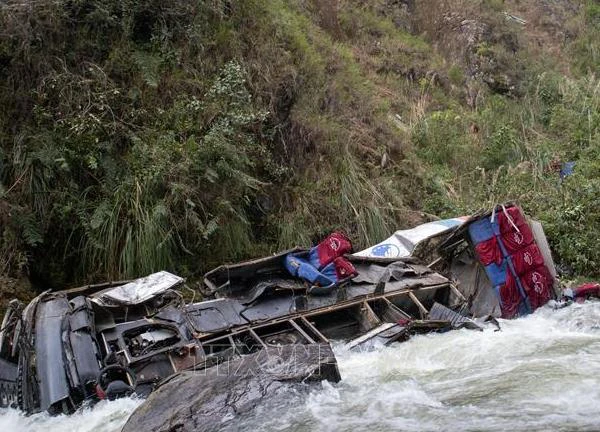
[(149, 66)]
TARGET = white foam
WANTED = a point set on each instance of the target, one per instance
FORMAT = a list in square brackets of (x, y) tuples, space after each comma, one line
[(538, 373), (106, 416)]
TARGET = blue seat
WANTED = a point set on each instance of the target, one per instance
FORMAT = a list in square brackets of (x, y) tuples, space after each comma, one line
[(301, 268), (496, 273), (481, 230)]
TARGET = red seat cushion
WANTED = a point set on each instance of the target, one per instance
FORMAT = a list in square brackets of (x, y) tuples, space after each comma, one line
[(590, 289), (510, 298), (527, 259), (489, 252), (514, 240), (537, 283), (513, 214), (334, 245)]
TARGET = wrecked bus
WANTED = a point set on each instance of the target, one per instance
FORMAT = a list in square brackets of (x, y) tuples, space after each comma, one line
[(68, 348)]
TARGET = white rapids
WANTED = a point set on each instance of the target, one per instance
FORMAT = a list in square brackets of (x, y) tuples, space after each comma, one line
[(539, 373)]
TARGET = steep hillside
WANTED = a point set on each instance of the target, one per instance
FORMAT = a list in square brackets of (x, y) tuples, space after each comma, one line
[(137, 136)]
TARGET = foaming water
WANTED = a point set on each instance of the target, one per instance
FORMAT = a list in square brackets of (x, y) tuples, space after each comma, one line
[(105, 416), (539, 373)]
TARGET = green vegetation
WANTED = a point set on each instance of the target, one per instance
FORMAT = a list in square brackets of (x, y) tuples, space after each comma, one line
[(147, 135)]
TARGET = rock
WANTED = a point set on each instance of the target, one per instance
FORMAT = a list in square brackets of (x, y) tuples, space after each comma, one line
[(207, 399)]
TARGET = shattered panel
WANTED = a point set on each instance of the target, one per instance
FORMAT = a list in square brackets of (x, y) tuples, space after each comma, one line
[(138, 291)]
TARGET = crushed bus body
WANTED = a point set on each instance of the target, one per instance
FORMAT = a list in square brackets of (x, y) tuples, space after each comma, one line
[(72, 347)]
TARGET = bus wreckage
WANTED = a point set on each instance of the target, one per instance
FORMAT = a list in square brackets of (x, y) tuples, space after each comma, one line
[(68, 348)]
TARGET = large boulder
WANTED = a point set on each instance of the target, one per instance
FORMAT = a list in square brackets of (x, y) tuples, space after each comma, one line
[(206, 400)]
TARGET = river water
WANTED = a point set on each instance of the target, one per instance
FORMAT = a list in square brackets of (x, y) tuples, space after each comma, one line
[(539, 373)]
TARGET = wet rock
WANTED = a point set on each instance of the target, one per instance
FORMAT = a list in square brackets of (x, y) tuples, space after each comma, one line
[(207, 400)]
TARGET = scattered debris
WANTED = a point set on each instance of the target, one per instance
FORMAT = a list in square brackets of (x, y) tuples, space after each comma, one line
[(567, 169), (582, 292)]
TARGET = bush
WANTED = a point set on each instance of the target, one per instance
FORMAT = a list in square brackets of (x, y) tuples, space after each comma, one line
[(571, 225)]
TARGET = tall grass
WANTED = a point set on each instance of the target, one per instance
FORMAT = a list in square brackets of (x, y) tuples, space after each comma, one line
[(367, 205), (128, 235)]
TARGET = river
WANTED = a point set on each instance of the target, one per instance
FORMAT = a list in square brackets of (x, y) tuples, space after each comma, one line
[(538, 373)]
